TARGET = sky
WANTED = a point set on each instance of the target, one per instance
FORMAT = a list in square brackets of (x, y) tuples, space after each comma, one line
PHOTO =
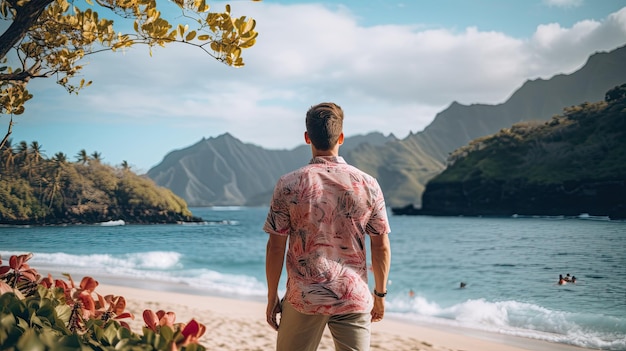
[(391, 65)]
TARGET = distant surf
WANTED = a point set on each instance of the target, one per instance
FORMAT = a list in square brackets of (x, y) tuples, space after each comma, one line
[(113, 223)]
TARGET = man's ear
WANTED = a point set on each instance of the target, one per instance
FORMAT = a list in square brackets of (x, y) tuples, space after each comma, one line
[(306, 138), (340, 139)]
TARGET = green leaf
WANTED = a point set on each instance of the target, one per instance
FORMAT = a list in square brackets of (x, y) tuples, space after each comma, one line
[(194, 347), (9, 331), (149, 335), (30, 341), (167, 333), (110, 333), (68, 343)]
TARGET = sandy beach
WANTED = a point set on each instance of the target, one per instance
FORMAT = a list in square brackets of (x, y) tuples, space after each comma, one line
[(239, 325)]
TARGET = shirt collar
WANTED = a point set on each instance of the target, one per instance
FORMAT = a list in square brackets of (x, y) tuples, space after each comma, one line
[(327, 159)]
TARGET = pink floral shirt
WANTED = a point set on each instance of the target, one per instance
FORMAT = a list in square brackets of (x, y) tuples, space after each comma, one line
[(326, 208)]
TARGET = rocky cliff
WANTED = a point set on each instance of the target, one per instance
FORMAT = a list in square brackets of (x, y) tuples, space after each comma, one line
[(571, 165)]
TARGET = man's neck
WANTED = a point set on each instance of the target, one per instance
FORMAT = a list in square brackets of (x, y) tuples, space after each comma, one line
[(332, 152), (325, 153)]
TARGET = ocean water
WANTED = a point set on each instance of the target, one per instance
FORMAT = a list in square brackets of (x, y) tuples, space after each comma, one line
[(510, 267)]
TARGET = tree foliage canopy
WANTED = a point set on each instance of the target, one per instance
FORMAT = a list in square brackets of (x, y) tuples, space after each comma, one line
[(38, 190), (48, 39)]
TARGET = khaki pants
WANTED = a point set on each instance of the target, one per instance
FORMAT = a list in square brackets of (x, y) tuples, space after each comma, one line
[(303, 332)]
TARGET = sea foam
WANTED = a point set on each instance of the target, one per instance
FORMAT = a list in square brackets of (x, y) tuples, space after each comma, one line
[(515, 318), (154, 266)]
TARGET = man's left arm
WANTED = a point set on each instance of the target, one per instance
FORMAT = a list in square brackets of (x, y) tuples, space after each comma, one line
[(381, 260), (274, 259)]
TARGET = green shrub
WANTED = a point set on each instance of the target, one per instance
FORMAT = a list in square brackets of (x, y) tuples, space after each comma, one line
[(41, 314)]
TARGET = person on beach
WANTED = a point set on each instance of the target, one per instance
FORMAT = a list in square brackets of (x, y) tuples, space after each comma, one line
[(323, 212)]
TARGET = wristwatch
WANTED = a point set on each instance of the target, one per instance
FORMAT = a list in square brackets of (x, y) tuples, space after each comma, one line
[(380, 294)]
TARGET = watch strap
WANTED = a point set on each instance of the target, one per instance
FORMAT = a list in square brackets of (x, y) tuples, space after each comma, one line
[(379, 294)]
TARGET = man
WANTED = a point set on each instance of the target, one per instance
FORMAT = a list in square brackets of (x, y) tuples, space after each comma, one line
[(324, 210)]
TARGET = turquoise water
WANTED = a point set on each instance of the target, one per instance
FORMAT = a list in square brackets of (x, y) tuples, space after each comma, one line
[(510, 267)]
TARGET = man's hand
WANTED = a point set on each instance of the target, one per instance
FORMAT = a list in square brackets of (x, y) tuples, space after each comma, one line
[(378, 312), (273, 308)]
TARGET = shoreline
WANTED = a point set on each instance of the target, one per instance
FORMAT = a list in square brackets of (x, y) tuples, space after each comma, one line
[(239, 324), (411, 210)]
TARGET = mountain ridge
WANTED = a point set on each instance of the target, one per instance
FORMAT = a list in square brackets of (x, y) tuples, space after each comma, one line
[(237, 171), (601, 72), (244, 174)]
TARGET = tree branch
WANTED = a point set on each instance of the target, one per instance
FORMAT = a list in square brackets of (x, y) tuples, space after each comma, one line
[(9, 131), (25, 75), (22, 76), (24, 18)]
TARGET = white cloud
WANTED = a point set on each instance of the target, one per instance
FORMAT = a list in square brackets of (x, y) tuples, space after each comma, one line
[(308, 52), (559, 48), (391, 78)]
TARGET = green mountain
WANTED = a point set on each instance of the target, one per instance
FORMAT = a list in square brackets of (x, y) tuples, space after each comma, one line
[(225, 171), (402, 168), (573, 164), (536, 100)]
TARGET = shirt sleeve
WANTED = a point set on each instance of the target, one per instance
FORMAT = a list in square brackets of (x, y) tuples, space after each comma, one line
[(378, 223), (277, 221)]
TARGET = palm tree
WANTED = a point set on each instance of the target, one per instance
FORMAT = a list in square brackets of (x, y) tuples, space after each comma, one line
[(96, 156), (59, 161), (82, 156), (60, 157), (22, 159), (36, 152), (35, 156), (125, 165), (8, 155), (22, 153)]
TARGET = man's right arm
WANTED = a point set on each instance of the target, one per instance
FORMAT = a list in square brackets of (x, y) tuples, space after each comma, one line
[(381, 259), (274, 258)]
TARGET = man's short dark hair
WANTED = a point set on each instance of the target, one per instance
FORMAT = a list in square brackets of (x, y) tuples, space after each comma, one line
[(324, 124)]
